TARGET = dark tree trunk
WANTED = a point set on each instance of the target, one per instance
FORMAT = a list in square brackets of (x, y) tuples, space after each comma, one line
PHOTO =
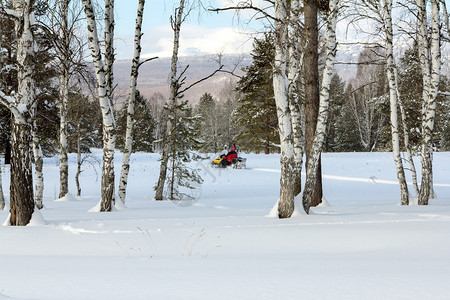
[(311, 73), (21, 187), (8, 152)]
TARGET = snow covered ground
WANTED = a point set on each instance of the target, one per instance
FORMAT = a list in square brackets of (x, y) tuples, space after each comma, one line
[(363, 245)]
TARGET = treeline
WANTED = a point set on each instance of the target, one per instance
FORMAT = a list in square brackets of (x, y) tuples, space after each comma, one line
[(244, 113)]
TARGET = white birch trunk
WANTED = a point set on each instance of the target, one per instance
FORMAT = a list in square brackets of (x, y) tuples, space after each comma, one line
[(294, 103), (412, 166), (429, 56), (21, 187), (446, 19), (393, 93), (131, 101), (109, 139), (109, 48), (280, 87), (79, 163), (316, 149), (2, 197), (64, 101), (38, 162), (167, 147)]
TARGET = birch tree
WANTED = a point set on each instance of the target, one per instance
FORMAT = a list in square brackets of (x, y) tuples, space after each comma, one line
[(180, 136), (2, 197), (63, 8), (311, 82), (104, 82), (21, 188), (393, 96), (61, 24), (319, 137), (430, 61), (38, 160), (131, 103), (174, 86), (295, 57), (280, 87)]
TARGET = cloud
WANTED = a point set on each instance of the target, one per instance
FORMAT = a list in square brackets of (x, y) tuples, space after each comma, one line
[(196, 40)]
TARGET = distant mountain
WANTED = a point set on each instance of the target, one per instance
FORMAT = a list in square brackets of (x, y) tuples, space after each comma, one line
[(154, 75)]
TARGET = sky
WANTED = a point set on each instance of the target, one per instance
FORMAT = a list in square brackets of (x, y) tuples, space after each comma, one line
[(203, 32)]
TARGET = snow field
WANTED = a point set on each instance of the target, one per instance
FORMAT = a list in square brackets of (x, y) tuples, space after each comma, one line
[(363, 245)]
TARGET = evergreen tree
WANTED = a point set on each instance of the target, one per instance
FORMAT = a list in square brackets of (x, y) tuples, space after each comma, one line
[(369, 101), (45, 74), (411, 87), (255, 116), (157, 104), (85, 129), (337, 105), (143, 128), (346, 137), (8, 80), (183, 179), (207, 111)]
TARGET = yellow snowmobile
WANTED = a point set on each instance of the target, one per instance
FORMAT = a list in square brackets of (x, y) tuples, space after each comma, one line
[(236, 163)]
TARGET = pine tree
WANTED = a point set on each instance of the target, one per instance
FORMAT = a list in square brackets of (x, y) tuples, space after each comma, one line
[(337, 105), (143, 128), (346, 138), (207, 111), (183, 180), (181, 138), (255, 114)]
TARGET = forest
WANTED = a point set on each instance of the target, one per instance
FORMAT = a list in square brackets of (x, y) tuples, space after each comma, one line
[(57, 95)]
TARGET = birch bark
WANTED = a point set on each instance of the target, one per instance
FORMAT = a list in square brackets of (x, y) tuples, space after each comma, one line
[(168, 140), (319, 137), (446, 18), (2, 197), (21, 187), (79, 162), (64, 100), (393, 93), (280, 87), (131, 101), (38, 161), (107, 189), (429, 56), (294, 62), (406, 138), (311, 75)]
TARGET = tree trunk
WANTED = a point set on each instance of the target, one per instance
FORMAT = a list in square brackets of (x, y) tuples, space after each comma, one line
[(294, 101), (311, 73), (109, 139), (8, 152), (313, 163), (429, 56), (412, 166), (79, 163), (131, 101), (21, 186), (64, 102), (393, 93), (63, 129), (38, 166), (169, 139), (280, 87), (2, 197)]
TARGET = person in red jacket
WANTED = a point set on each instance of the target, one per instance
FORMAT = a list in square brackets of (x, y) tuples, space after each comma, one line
[(228, 159)]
